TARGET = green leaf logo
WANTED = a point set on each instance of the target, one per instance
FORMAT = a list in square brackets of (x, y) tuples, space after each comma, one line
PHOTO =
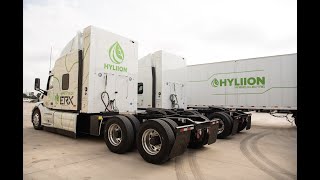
[(215, 82), (116, 53), (56, 98)]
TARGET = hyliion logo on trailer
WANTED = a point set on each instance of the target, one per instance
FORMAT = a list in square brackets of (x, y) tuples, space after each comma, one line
[(116, 55), (215, 82), (245, 82)]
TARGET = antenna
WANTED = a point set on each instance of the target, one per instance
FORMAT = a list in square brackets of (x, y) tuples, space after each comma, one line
[(50, 59)]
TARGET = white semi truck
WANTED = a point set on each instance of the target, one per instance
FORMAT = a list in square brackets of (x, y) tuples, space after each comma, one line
[(162, 83), (92, 89), (263, 83)]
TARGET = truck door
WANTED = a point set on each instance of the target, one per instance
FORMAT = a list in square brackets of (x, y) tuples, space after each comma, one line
[(48, 99), (48, 102)]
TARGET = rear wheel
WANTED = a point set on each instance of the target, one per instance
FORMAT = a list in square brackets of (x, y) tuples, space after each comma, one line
[(225, 124), (119, 134), (136, 125), (171, 123), (155, 140), (36, 120)]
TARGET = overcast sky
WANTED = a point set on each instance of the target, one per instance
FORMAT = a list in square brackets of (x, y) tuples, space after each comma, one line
[(202, 31)]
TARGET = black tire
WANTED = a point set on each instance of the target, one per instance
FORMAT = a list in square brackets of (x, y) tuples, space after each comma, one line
[(172, 124), (227, 121), (127, 134), (195, 143), (136, 126), (38, 125), (167, 140), (242, 126), (295, 121)]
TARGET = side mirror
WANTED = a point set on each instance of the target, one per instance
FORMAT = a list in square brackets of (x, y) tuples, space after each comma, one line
[(37, 84)]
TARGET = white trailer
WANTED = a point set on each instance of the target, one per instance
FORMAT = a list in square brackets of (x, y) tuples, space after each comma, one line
[(92, 89), (264, 83)]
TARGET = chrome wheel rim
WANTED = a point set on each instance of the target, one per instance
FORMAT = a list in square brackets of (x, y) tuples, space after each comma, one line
[(151, 141), (36, 119), (221, 126), (115, 134)]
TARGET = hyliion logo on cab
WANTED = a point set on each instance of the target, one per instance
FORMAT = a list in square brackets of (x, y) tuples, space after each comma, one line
[(116, 53), (57, 99)]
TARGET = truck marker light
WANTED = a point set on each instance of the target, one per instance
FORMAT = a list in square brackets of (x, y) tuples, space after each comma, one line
[(100, 118)]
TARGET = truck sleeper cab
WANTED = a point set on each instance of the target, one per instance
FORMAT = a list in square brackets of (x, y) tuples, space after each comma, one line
[(162, 83)]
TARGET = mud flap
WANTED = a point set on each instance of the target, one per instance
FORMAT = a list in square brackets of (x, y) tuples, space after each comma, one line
[(181, 143), (248, 123), (235, 126), (213, 132)]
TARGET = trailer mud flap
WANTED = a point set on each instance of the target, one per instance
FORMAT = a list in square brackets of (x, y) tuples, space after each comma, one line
[(235, 126), (213, 132), (248, 123), (181, 143)]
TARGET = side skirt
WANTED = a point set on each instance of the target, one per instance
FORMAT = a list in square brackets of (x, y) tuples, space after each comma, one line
[(60, 131)]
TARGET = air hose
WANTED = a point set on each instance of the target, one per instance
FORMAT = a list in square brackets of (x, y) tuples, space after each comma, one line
[(174, 100), (112, 103)]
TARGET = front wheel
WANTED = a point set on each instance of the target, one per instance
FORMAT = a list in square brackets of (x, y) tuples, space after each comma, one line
[(36, 120)]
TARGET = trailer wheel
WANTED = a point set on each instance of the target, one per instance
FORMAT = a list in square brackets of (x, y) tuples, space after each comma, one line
[(119, 134), (155, 141), (36, 119), (225, 124)]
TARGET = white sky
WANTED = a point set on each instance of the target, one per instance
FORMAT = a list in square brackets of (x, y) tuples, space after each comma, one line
[(202, 31)]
